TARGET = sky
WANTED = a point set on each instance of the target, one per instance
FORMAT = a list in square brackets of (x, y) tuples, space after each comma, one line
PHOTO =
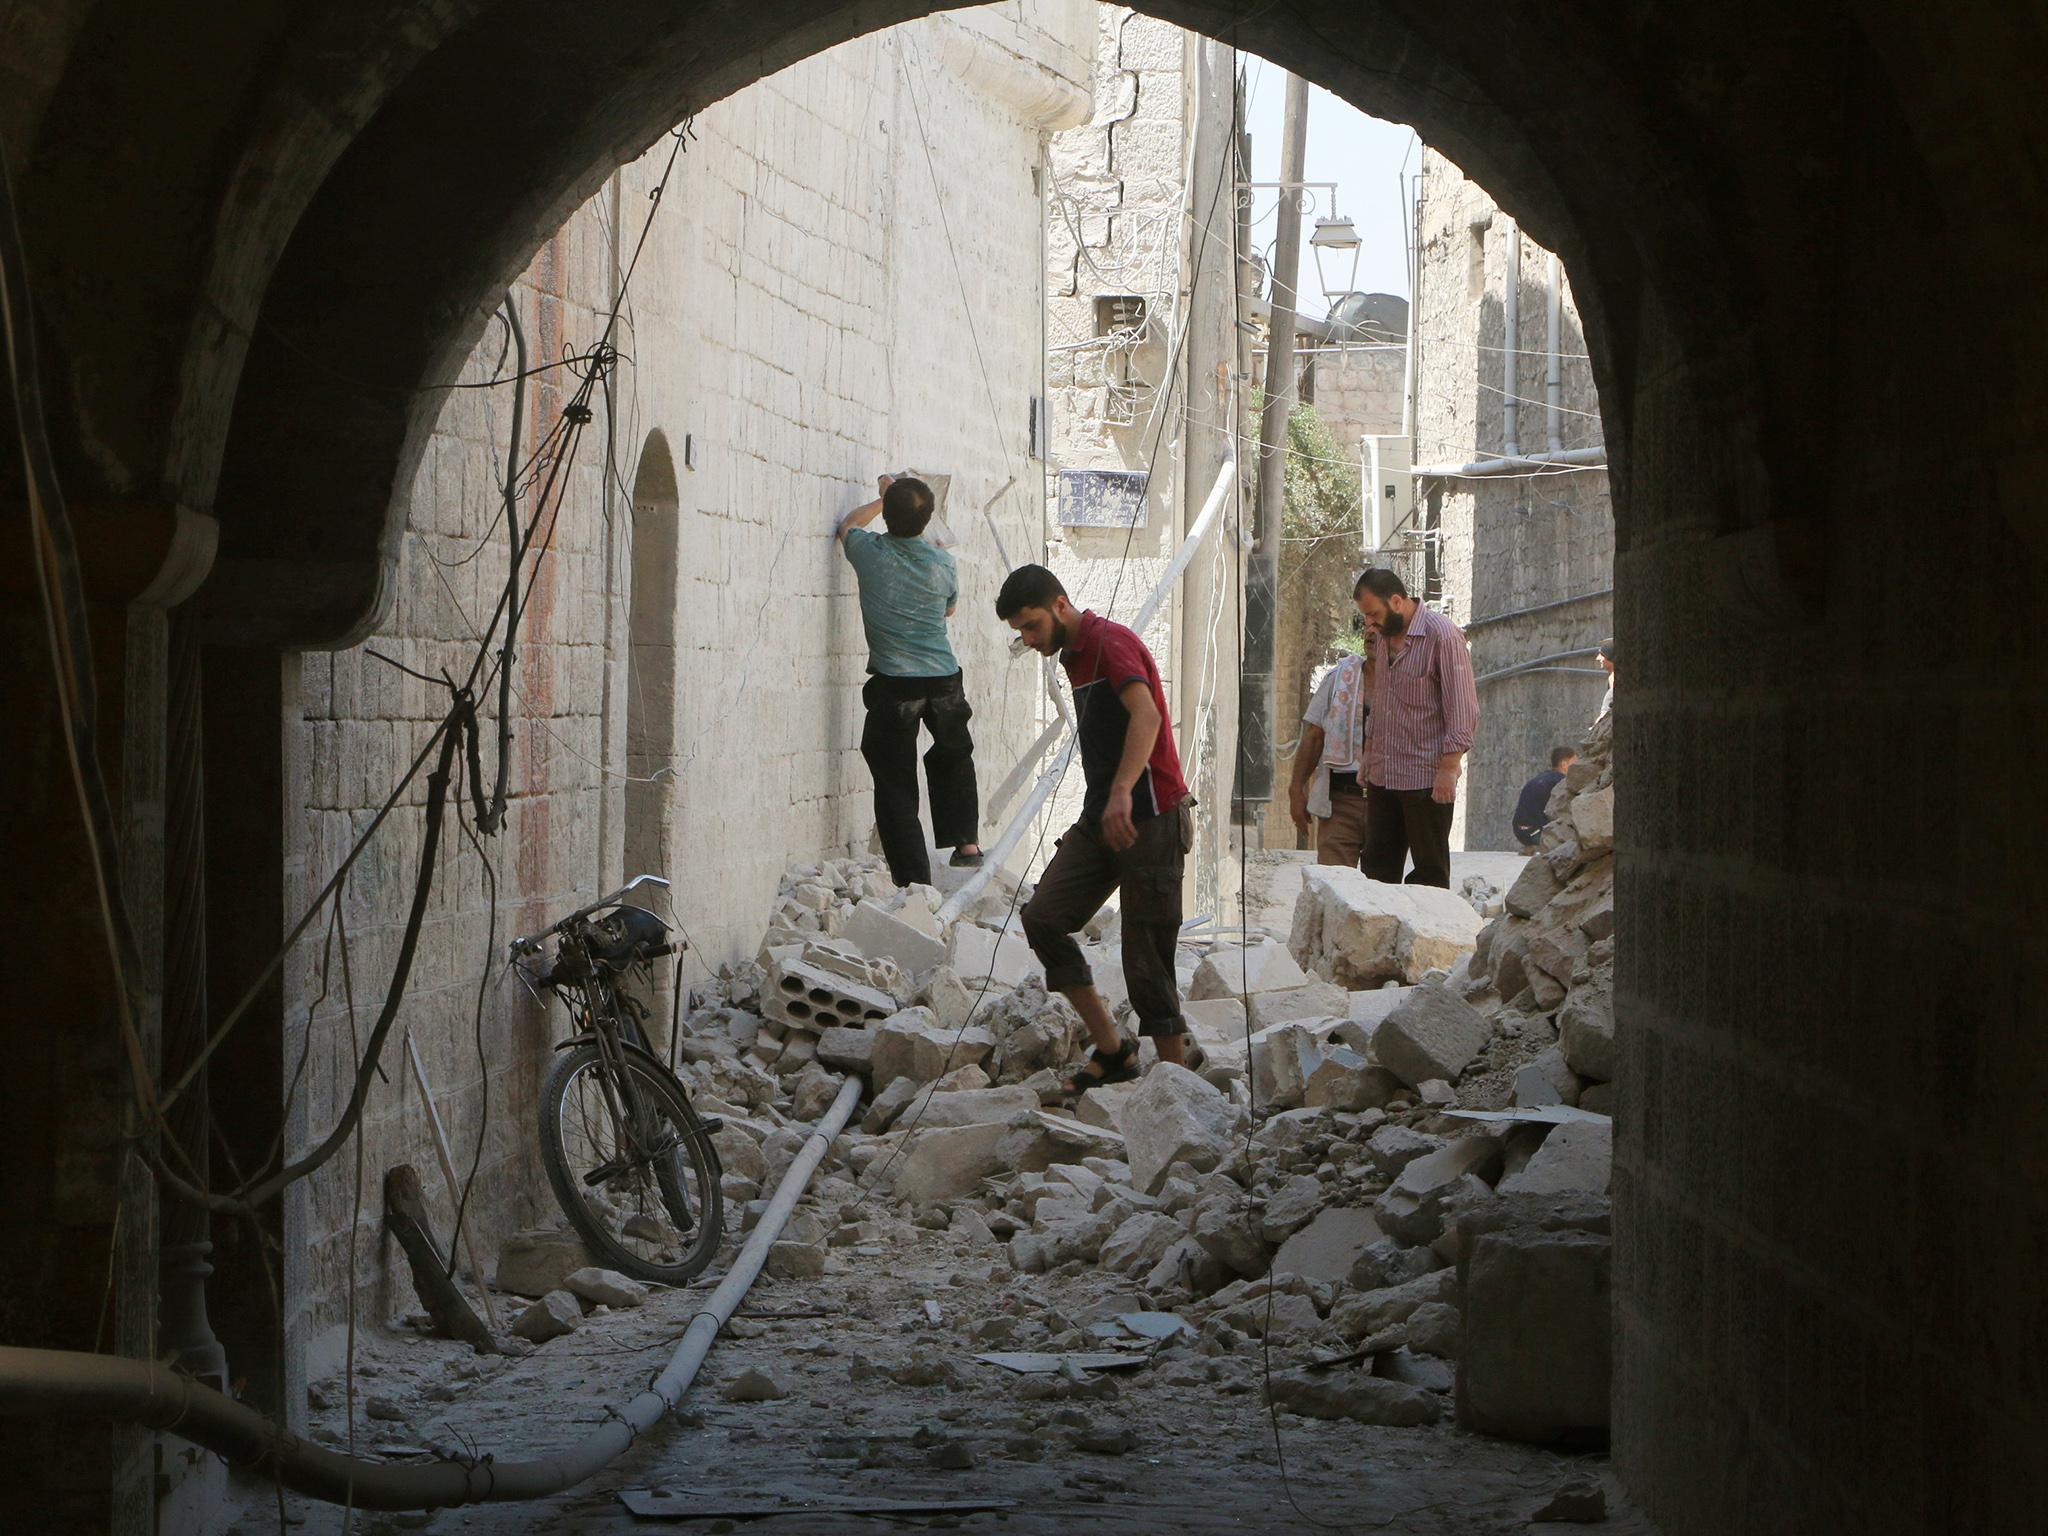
[(1363, 155)]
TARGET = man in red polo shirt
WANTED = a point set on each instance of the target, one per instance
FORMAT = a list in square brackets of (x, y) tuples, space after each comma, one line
[(1135, 829)]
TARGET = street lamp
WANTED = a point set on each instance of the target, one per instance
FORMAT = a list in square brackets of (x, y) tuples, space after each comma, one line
[(1335, 235)]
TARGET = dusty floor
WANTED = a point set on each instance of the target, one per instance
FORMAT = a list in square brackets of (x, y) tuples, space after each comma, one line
[(1182, 1443)]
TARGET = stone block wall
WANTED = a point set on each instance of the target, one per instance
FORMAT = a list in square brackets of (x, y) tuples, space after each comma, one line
[(1508, 543), (841, 282)]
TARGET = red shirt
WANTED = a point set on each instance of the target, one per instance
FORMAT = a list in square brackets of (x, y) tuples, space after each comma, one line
[(1105, 658)]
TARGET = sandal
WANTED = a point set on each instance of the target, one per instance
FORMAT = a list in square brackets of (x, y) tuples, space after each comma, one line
[(1118, 1066), (965, 860)]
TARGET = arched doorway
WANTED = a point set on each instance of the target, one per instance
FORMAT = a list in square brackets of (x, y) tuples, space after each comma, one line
[(651, 662)]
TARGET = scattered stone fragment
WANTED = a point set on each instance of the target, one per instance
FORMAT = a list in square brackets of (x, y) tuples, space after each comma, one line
[(605, 1287), (1328, 1247), (553, 1315), (914, 1044), (1175, 1117), (1345, 1080), (383, 1409), (1224, 1229), (888, 1104), (1585, 1031), (1283, 1059), (850, 1048), (536, 1261), (1437, 1093), (1353, 1395), (1393, 1147), (753, 1385), (1358, 932), (1291, 1206), (796, 1261), (1546, 1080), (1576, 1157), (1316, 1000), (1434, 1034), (876, 931), (1535, 1359), (1266, 966)]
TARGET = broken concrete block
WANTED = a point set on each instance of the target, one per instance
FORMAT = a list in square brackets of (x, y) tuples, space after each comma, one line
[(946, 1163), (914, 1044), (879, 933), (1344, 1080), (1187, 1264), (1037, 1139), (1577, 1157), (980, 956), (753, 1385), (1224, 1229), (1291, 1206), (950, 999), (1585, 1032), (1535, 1359), (1597, 1098), (1355, 1395), (1412, 1209), (1533, 888), (1393, 1147), (540, 1260), (1358, 932), (796, 1261), (605, 1288), (1246, 970), (1362, 1316), (1433, 1329), (1283, 1059), (1316, 1002), (973, 1106), (801, 993), (555, 1314), (1104, 1106), (1385, 1263), (813, 1092), (1592, 820), (1433, 1034), (1217, 1025), (1546, 1080), (888, 1104), (1175, 1117), (847, 1047), (1139, 1242), (1329, 1245)]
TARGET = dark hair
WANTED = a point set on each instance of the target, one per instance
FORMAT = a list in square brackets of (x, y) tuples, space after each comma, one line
[(1028, 586), (907, 507), (1559, 754), (1607, 650), (1380, 582)]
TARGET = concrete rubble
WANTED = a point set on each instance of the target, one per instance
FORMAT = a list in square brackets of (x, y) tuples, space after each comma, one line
[(1311, 1187)]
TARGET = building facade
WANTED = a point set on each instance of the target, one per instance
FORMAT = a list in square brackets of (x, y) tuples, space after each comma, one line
[(843, 280), (1519, 554)]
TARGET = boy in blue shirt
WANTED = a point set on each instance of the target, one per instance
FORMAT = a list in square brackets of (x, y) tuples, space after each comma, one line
[(908, 589)]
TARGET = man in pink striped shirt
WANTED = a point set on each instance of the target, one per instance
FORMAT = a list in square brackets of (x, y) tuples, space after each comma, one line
[(1425, 711)]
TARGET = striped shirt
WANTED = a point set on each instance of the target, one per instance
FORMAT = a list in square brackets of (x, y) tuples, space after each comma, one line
[(1424, 703)]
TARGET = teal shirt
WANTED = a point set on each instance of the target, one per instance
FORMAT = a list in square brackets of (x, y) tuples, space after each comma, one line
[(906, 586)]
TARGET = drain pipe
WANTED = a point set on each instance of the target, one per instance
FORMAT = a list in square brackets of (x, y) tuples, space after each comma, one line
[(1511, 339), (62, 1384), (1553, 373)]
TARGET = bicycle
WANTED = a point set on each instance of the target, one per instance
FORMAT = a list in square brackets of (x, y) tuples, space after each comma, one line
[(631, 1162)]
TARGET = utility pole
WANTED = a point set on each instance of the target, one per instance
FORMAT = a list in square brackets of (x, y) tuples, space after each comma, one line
[(1256, 734)]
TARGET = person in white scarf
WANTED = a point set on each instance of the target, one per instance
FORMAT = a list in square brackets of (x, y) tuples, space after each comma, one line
[(1325, 787)]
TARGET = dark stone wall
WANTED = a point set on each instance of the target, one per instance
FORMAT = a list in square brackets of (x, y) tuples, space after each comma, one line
[(1806, 238)]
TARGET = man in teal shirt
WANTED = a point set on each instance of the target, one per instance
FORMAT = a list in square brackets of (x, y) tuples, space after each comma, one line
[(908, 588)]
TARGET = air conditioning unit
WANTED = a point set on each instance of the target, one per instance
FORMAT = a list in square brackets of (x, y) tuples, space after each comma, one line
[(1386, 487)]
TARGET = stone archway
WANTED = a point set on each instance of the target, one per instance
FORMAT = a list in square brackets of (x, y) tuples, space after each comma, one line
[(259, 232)]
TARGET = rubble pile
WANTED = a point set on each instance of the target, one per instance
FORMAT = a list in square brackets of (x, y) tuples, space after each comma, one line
[(1390, 1163)]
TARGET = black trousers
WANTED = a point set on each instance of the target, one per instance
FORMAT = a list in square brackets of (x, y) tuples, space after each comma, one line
[(897, 706), (1404, 824), (1079, 878)]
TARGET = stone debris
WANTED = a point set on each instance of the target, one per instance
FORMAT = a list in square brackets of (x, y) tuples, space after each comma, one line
[(553, 1315), (539, 1260), (1245, 970), (1358, 932), (753, 1385), (1355, 1395), (605, 1288), (1433, 1035)]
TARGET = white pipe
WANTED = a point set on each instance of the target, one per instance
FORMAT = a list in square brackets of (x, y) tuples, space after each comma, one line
[(67, 1384), (1511, 339), (1553, 376), (1596, 456), (992, 858)]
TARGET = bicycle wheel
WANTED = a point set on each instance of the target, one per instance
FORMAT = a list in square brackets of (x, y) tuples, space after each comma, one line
[(630, 1166)]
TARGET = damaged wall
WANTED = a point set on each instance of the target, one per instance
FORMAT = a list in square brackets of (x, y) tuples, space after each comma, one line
[(797, 325), (1506, 543)]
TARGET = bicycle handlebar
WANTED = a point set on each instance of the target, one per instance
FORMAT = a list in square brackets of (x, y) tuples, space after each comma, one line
[(531, 944)]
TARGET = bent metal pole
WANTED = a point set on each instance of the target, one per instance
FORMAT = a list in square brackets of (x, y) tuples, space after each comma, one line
[(55, 1383)]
